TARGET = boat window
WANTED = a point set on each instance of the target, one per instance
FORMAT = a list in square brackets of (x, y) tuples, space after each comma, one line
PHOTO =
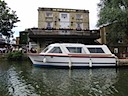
[(46, 49), (74, 49), (96, 50), (55, 50)]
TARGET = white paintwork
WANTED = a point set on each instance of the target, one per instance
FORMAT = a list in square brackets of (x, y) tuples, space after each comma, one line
[(67, 59)]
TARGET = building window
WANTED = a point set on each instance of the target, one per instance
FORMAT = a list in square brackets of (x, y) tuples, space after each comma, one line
[(79, 26), (115, 50), (78, 16), (64, 16), (49, 25), (49, 14)]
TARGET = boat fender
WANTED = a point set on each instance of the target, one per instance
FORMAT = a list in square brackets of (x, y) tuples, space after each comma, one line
[(70, 65), (44, 60), (90, 63)]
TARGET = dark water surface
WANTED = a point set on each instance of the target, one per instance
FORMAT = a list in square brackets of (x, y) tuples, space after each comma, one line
[(23, 79)]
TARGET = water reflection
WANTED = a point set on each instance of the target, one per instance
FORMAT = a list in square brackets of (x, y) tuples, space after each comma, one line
[(17, 84), (25, 80), (77, 82)]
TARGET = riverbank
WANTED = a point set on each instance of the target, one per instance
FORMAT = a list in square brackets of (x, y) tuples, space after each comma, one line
[(13, 56), (123, 62)]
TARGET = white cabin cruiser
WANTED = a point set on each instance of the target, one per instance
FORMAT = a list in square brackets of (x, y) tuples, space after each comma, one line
[(74, 55)]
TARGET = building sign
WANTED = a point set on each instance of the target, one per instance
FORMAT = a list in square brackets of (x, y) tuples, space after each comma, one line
[(65, 10), (61, 10)]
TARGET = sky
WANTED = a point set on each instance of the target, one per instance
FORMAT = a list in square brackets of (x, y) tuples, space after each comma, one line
[(27, 12)]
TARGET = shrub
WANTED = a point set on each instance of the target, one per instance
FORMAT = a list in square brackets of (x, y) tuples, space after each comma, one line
[(15, 55)]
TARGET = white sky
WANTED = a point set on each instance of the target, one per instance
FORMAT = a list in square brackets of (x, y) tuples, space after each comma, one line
[(27, 12)]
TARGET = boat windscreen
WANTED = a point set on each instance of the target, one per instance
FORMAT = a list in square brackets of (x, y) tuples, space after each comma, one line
[(46, 49), (55, 50)]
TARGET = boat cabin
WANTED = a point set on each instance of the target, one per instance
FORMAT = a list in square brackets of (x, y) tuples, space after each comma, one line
[(73, 48)]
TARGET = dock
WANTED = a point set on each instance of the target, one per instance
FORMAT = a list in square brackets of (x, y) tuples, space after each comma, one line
[(123, 62)]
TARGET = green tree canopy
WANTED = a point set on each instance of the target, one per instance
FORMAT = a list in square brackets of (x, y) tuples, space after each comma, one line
[(115, 13), (8, 18)]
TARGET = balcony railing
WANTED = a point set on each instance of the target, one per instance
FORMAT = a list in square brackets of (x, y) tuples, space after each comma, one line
[(43, 32)]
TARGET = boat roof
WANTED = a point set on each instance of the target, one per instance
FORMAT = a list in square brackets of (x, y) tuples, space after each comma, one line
[(75, 45), (67, 44)]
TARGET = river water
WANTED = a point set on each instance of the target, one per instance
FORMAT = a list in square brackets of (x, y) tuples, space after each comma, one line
[(23, 79)]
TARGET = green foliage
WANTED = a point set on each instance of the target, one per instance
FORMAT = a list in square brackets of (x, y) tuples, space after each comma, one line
[(112, 11), (8, 18), (115, 13), (15, 55)]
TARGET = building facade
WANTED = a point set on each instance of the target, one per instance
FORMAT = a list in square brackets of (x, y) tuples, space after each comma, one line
[(58, 18), (58, 25)]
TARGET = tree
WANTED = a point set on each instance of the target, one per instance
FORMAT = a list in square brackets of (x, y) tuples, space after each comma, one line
[(114, 13), (8, 18)]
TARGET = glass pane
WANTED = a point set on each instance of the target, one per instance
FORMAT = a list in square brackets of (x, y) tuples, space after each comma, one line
[(95, 50), (63, 15), (49, 14), (55, 50), (78, 16), (46, 49), (74, 49)]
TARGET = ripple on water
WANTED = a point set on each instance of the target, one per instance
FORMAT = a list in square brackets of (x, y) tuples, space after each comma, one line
[(33, 81)]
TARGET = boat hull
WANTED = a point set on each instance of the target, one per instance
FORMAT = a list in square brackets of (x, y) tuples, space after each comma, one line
[(73, 61)]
